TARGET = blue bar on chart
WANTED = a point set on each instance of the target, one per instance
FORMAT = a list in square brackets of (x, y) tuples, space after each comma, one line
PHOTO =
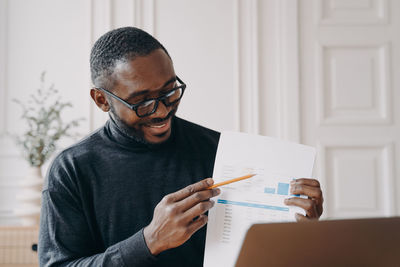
[(269, 190), (252, 205), (283, 189)]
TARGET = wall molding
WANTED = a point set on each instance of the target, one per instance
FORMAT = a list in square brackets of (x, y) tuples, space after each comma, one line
[(325, 14), (388, 196), (100, 14), (288, 89), (3, 68), (236, 82), (279, 106), (145, 15), (102, 19), (284, 77), (247, 66), (381, 111)]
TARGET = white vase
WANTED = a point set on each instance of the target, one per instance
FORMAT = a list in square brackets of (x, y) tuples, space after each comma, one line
[(29, 197)]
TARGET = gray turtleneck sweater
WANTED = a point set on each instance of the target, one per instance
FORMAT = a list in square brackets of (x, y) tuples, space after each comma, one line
[(100, 193)]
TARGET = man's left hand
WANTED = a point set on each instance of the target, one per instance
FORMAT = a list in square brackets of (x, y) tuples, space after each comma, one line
[(312, 205)]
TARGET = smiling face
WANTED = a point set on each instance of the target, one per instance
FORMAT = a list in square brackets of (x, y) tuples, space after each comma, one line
[(137, 80)]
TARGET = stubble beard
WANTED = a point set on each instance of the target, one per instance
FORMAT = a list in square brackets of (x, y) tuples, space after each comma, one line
[(134, 133)]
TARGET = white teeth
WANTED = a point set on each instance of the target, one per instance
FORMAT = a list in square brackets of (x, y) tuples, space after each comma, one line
[(159, 126)]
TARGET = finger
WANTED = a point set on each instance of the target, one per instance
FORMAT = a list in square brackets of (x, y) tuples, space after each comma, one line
[(196, 198), (195, 225), (310, 191), (306, 181), (197, 210), (301, 218), (307, 204), (189, 190), (318, 196)]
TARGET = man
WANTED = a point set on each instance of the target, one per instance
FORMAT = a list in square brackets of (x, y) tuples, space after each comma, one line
[(134, 193)]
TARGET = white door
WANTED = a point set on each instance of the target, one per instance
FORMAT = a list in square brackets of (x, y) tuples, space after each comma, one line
[(350, 102)]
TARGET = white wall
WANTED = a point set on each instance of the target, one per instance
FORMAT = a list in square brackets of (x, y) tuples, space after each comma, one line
[(245, 54), (37, 36)]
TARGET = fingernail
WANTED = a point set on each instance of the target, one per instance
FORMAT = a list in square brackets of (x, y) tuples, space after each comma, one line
[(286, 201), (212, 203), (293, 181), (218, 191), (209, 181)]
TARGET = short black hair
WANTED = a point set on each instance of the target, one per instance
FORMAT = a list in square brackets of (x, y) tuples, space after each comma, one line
[(120, 44)]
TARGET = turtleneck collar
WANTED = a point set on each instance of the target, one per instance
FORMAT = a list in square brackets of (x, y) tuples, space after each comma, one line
[(118, 135)]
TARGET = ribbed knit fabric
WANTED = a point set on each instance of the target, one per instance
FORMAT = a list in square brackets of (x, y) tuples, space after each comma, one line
[(100, 193)]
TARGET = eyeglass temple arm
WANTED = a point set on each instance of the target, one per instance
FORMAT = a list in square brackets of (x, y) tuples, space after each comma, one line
[(179, 80), (118, 98)]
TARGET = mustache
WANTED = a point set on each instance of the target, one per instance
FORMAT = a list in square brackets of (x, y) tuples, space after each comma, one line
[(159, 120)]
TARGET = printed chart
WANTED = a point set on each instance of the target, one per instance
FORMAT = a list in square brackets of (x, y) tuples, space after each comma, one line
[(259, 199)]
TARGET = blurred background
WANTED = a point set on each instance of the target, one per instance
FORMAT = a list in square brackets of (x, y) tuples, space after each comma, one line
[(325, 73)]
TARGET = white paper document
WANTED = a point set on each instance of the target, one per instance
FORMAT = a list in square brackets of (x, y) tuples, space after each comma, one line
[(255, 200)]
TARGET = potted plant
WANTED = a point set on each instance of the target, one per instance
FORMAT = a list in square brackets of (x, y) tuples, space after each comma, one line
[(45, 127)]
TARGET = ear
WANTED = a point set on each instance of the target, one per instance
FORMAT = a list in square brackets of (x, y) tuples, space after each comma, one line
[(100, 100)]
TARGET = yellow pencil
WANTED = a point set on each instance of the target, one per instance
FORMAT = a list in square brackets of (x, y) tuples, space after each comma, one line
[(231, 181)]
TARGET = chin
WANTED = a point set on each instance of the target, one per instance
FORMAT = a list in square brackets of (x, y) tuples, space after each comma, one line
[(158, 139), (145, 134)]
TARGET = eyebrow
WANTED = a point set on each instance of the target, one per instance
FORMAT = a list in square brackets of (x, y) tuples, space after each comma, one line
[(143, 92)]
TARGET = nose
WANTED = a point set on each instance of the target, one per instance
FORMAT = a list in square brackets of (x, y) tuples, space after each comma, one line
[(161, 111)]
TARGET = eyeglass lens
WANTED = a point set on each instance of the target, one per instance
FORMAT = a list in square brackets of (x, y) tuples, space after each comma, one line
[(148, 107)]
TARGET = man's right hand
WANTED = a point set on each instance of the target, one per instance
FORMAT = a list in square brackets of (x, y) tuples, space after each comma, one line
[(179, 215)]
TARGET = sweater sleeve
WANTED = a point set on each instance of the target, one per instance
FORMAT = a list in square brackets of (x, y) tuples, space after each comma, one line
[(65, 239)]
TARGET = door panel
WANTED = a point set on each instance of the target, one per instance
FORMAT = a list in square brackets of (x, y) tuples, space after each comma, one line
[(349, 58)]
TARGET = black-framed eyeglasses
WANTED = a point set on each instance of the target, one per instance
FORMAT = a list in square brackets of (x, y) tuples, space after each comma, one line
[(149, 106)]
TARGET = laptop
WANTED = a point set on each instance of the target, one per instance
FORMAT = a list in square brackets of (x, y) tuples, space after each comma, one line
[(359, 242)]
